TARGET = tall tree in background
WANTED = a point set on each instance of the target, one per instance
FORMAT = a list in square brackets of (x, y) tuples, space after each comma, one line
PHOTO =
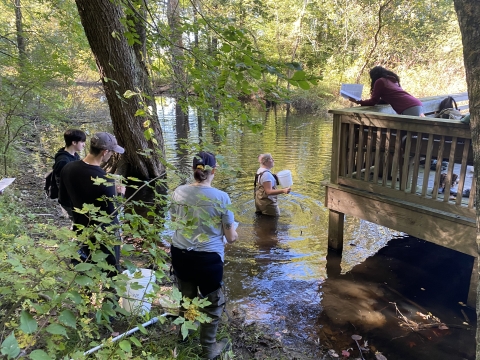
[(119, 52), (468, 12)]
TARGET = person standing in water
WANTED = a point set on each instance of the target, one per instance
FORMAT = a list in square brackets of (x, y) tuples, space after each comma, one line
[(266, 187), (197, 250), (385, 88)]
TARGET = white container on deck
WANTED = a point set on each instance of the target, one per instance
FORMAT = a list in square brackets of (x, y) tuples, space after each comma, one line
[(285, 178), (134, 300)]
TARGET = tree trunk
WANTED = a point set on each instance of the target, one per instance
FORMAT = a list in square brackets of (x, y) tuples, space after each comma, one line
[(122, 67), (20, 38), (468, 13)]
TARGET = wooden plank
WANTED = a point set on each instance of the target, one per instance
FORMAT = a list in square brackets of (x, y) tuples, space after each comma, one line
[(336, 149), (401, 196), (436, 126), (448, 181), (428, 160), (368, 155), (378, 144), (351, 153), (438, 169), (406, 162), (396, 159), (386, 156), (344, 150), (409, 219), (416, 165), (471, 199), (360, 153), (463, 172)]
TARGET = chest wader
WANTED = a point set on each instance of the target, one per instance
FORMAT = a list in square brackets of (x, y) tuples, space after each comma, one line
[(264, 204)]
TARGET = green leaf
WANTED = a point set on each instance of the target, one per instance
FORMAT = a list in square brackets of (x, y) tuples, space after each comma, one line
[(68, 318), (226, 48), (134, 340), (27, 323), (83, 267), (128, 94), (140, 112), (75, 296), (39, 355), (142, 329), (125, 345), (56, 329), (83, 280), (298, 75), (304, 85), (10, 347)]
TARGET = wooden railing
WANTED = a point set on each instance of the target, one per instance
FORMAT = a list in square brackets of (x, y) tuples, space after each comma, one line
[(392, 155), (382, 172)]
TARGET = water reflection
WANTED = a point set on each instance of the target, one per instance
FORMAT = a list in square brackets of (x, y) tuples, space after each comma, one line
[(265, 231)]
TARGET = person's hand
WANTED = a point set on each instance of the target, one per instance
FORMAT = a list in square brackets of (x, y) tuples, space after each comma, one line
[(120, 189), (353, 100), (287, 190)]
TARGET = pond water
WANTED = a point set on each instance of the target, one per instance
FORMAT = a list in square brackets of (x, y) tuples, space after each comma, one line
[(277, 274)]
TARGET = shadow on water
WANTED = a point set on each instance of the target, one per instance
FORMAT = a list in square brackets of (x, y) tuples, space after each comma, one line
[(280, 275), (407, 277)]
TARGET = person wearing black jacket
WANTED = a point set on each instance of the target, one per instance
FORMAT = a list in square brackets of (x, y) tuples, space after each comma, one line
[(74, 143), (77, 184)]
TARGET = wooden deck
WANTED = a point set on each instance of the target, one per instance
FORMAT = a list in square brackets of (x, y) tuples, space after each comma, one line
[(381, 172)]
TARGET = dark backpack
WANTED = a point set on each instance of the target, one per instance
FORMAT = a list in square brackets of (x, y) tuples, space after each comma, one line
[(51, 188), (257, 180), (445, 107)]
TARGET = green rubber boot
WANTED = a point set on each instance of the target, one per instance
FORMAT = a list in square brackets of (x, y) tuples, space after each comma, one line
[(211, 349)]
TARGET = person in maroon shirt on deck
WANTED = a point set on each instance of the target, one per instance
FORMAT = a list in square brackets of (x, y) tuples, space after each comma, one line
[(385, 88)]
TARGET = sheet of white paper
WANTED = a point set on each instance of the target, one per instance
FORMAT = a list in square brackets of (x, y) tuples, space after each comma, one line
[(353, 91), (5, 182)]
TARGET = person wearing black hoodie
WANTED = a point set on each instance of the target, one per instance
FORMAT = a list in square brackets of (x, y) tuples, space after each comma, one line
[(74, 143)]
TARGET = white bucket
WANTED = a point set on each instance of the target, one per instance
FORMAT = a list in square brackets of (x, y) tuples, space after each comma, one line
[(134, 300), (285, 178)]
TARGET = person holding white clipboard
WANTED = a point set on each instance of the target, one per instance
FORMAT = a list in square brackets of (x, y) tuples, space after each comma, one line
[(385, 88)]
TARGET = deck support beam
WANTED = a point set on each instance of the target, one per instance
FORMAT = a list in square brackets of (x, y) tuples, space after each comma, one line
[(472, 290), (335, 230)]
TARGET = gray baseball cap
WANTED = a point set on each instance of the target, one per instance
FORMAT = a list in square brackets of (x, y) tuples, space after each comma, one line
[(106, 141)]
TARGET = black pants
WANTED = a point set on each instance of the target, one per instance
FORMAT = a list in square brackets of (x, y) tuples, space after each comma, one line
[(204, 269)]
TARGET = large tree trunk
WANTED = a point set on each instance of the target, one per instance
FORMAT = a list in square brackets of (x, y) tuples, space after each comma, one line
[(468, 13), (122, 67)]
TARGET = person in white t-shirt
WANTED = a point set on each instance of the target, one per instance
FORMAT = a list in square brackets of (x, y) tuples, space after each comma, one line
[(266, 187)]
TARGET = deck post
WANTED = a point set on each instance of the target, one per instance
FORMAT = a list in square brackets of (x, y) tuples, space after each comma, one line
[(335, 230), (472, 290)]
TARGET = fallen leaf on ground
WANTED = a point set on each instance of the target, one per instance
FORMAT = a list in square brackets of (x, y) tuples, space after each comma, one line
[(345, 353)]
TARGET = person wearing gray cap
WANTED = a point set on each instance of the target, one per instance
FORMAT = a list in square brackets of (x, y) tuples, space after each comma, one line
[(76, 182)]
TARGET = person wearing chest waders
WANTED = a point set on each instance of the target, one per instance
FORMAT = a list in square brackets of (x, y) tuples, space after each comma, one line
[(266, 187), (204, 219)]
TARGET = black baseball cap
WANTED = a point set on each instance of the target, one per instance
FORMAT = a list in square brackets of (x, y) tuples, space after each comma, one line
[(203, 159)]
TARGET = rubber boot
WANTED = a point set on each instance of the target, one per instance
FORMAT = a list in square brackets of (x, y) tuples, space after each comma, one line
[(190, 291), (211, 349)]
